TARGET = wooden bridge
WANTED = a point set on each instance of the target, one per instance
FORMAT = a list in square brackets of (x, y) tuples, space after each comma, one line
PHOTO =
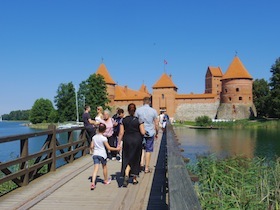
[(68, 187)]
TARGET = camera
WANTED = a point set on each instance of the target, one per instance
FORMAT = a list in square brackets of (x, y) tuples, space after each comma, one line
[(147, 133)]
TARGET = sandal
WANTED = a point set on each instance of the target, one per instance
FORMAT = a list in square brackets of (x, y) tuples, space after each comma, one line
[(125, 181), (147, 171), (135, 182), (108, 181), (92, 186)]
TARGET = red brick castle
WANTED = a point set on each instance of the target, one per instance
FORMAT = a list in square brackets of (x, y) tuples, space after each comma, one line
[(227, 96)]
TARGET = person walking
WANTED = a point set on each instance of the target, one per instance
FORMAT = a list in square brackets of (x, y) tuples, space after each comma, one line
[(118, 118), (131, 134), (148, 115), (110, 123), (98, 145), (90, 125)]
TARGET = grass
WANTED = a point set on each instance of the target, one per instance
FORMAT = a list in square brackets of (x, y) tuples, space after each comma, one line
[(239, 124), (237, 183)]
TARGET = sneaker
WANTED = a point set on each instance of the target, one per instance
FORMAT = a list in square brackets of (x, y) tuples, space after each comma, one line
[(113, 158), (120, 160), (108, 182)]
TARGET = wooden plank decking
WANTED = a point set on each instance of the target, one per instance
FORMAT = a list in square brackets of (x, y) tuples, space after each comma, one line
[(69, 188)]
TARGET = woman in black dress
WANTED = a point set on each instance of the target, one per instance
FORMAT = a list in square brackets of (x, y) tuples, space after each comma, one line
[(131, 133)]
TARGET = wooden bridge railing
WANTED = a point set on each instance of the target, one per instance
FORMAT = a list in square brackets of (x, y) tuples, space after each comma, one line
[(180, 188), (27, 166)]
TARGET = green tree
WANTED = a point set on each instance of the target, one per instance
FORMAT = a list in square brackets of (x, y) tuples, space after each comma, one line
[(261, 96), (275, 89), (93, 92), (53, 117), (17, 115), (65, 102), (41, 110)]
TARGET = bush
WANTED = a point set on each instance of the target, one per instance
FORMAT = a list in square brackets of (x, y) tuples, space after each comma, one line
[(203, 121)]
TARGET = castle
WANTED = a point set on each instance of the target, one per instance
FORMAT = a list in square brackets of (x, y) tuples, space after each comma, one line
[(227, 96)]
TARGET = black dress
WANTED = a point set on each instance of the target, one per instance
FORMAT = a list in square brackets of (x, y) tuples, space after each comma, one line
[(132, 145)]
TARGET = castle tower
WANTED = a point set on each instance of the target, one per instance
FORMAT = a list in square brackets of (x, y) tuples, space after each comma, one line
[(213, 82), (164, 93), (102, 70), (237, 93)]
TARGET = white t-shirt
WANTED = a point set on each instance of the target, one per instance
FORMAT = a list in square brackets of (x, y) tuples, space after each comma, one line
[(99, 147)]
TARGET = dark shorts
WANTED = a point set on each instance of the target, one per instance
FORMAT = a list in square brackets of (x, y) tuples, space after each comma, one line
[(98, 160), (149, 144)]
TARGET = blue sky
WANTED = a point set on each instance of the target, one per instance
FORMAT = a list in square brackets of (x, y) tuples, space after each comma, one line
[(45, 43)]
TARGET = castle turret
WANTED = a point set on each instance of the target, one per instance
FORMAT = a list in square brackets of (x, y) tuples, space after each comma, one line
[(102, 70), (237, 93), (213, 82), (164, 93)]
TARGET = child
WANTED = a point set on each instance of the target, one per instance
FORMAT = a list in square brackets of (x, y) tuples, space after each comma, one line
[(98, 144)]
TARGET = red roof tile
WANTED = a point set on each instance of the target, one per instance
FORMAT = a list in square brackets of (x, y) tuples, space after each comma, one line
[(236, 70), (215, 71), (123, 93), (102, 70), (165, 81)]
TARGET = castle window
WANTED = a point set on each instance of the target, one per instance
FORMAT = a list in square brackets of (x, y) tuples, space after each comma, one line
[(226, 90), (249, 98), (162, 96), (237, 89), (229, 98), (240, 98)]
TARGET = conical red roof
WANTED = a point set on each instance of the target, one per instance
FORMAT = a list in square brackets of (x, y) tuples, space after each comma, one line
[(165, 81), (102, 70), (236, 70)]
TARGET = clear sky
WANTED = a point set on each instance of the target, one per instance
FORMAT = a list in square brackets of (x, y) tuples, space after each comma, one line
[(47, 42)]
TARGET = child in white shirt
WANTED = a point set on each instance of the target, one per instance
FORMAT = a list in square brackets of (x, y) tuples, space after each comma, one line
[(98, 144)]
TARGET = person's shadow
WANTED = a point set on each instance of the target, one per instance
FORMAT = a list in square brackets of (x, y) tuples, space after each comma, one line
[(98, 179), (117, 176)]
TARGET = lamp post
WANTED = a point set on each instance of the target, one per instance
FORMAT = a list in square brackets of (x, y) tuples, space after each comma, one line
[(77, 110)]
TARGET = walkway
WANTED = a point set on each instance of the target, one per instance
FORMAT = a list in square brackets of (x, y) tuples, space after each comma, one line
[(69, 188)]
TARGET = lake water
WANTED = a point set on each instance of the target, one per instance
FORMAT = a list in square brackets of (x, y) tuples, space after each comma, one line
[(11, 150), (229, 142), (224, 142)]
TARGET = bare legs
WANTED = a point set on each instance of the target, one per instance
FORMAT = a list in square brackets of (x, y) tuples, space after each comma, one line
[(95, 170), (147, 161)]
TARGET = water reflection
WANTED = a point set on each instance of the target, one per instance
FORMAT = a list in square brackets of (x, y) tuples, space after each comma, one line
[(229, 142)]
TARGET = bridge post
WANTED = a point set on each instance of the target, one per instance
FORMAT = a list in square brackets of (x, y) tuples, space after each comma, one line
[(53, 147), (24, 166)]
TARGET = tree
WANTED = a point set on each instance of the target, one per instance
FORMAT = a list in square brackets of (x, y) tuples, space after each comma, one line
[(93, 92), (65, 102), (17, 115), (275, 89), (261, 96), (41, 110)]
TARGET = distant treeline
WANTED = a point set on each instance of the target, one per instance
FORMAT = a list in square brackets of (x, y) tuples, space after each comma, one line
[(17, 115)]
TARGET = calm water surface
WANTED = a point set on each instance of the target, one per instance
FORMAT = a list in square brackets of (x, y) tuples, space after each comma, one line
[(229, 142), (11, 150)]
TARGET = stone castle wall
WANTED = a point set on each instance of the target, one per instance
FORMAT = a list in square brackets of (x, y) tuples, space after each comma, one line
[(188, 112), (236, 111)]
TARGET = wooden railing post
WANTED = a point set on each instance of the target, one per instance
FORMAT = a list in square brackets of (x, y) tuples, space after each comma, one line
[(70, 149), (53, 147), (24, 166)]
